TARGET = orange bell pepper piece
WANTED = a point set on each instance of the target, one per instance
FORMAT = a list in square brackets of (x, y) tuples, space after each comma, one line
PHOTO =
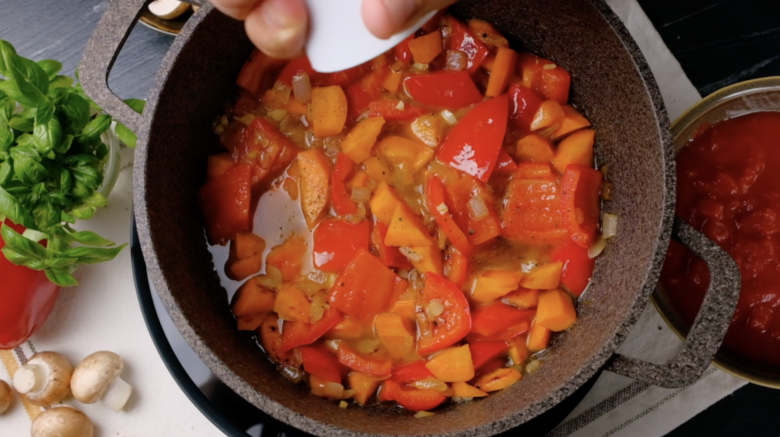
[(383, 202), (455, 266), (437, 206), (413, 155), (490, 319), (288, 257), (533, 148), (571, 122), (544, 77), (549, 115), (424, 258), (522, 298), (459, 193), (425, 48), (487, 33), (377, 169), (498, 380), (246, 244), (271, 338), (315, 178), (219, 164), (328, 110), (577, 148), (518, 350), (369, 365), (291, 304), (365, 287), (545, 277), (492, 284), (392, 332), (502, 70), (452, 365), (406, 229), (538, 338), (359, 141), (300, 334), (484, 351), (364, 386), (390, 256), (464, 390), (340, 198), (252, 300), (393, 81), (556, 310), (580, 203), (241, 269), (346, 329)]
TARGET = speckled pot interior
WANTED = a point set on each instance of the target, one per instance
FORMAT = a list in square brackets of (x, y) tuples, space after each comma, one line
[(612, 86)]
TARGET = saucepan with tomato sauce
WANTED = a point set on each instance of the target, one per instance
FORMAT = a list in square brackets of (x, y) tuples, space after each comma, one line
[(728, 156), (449, 239)]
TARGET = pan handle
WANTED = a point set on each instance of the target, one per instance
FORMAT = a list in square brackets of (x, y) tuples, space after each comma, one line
[(710, 326)]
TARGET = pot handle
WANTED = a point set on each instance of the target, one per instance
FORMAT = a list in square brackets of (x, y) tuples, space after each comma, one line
[(711, 323)]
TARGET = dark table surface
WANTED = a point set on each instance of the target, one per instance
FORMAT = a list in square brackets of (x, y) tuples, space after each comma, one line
[(718, 42)]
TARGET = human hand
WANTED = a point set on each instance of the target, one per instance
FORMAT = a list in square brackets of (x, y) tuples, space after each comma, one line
[(278, 27)]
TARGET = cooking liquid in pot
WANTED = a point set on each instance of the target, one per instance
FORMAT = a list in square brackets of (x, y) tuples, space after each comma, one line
[(728, 187), (395, 243)]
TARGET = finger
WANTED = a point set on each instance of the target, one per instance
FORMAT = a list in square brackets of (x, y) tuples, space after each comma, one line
[(385, 18), (278, 27), (237, 9)]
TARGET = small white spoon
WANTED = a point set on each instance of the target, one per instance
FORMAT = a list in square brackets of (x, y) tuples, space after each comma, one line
[(338, 39)]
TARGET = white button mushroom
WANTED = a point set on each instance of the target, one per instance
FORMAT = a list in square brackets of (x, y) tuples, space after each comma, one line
[(168, 9), (5, 396), (45, 379), (98, 377), (62, 422)]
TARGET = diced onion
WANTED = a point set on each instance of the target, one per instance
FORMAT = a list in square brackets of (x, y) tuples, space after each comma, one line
[(246, 119), (282, 91), (430, 384), (223, 120), (597, 248), (333, 390), (421, 67), (294, 374), (348, 394), (609, 225), (363, 115), (435, 308), (301, 86), (400, 106), (477, 208), (532, 366), (549, 67), (277, 114), (422, 414), (449, 117), (333, 345), (527, 266), (317, 307), (271, 279), (361, 194), (442, 208), (343, 404), (219, 130), (456, 60), (410, 254), (606, 191), (367, 346)]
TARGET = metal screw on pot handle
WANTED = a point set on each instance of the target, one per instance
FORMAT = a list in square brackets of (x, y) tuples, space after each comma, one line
[(710, 326)]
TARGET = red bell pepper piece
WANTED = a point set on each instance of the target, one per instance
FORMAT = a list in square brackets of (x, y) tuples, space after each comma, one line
[(532, 206), (446, 89), (523, 104), (550, 83), (358, 100), (474, 143), (451, 325), (27, 298), (484, 351), (505, 164), (335, 241), (388, 255), (437, 206), (577, 267), (580, 203), (462, 39), (364, 289), (225, 202), (245, 104), (478, 231), (368, 365), (295, 66), (490, 319), (455, 266), (253, 77), (300, 334), (411, 372), (346, 77), (340, 198), (320, 362), (266, 149), (413, 399), (402, 52), (506, 334), (389, 110)]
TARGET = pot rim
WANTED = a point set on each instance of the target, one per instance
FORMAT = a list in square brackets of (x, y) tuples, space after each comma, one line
[(598, 359), (687, 120)]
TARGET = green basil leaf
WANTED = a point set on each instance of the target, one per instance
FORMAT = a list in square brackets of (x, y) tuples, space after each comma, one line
[(67, 217), (137, 105), (89, 238), (66, 182), (7, 105), (58, 243), (48, 136), (12, 209), (27, 165), (61, 277), (50, 67), (97, 126), (39, 189), (7, 53), (77, 110), (16, 258), (25, 140), (93, 255), (60, 262), (17, 122), (81, 92), (46, 215), (16, 242), (6, 172), (126, 135), (88, 175), (81, 191), (60, 82), (88, 207), (6, 135), (44, 111), (30, 80), (64, 145)]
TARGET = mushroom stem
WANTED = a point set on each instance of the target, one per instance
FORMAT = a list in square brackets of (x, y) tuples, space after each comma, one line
[(117, 394), (30, 378)]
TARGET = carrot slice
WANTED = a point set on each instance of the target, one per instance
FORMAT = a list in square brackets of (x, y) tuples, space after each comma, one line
[(501, 71), (425, 48)]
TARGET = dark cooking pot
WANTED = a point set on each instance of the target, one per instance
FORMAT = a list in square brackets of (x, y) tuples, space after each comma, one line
[(612, 85)]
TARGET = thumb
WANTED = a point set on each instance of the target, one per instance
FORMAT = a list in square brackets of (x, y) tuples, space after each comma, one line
[(385, 18)]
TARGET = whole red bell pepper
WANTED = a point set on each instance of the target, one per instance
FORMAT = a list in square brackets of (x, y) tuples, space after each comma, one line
[(26, 299)]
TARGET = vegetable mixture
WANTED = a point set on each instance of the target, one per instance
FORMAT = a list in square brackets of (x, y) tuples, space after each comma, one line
[(451, 215)]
